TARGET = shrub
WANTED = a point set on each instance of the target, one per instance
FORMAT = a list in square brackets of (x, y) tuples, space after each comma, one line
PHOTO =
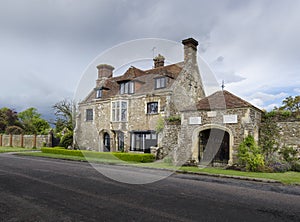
[(14, 130), (279, 167), (176, 118), (249, 155), (66, 140), (160, 124), (131, 157), (296, 166), (289, 154)]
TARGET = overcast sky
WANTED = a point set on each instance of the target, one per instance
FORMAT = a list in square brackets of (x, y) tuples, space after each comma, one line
[(45, 45)]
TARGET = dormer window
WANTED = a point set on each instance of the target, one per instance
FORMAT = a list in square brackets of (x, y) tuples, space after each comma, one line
[(99, 93), (127, 88), (160, 83)]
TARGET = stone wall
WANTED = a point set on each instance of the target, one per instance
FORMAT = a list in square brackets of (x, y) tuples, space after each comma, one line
[(89, 134), (289, 134), (168, 138), (248, 122), (26, 141)]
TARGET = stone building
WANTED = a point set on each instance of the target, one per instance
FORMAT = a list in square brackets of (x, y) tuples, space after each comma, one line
[(123, 113)]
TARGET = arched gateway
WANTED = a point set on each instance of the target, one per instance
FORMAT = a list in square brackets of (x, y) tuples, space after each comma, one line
[(212, 144)]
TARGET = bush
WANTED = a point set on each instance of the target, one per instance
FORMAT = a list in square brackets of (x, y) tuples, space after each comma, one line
[(66, 140), (279, 167), (289, 154), (249, 155), (296, 166), (14, 130), (130, 157)]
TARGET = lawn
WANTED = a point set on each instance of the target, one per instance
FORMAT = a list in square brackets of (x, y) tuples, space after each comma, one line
[(13, 149), (285, 178)]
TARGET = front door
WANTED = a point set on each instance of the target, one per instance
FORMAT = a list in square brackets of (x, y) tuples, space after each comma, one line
[(106, 142)]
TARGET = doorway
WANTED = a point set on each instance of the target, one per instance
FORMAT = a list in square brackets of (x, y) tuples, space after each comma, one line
[(106, 142), (213, 146)]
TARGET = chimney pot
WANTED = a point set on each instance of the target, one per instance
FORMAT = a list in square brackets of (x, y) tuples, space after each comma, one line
[(159, 61), (105, 70), (190, 49)]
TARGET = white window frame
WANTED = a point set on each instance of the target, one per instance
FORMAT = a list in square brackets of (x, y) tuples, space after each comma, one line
[(119, 111), (127, 88), (99, 93), (160, 82)]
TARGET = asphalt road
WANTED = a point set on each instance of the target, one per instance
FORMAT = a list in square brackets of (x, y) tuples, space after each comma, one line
[(40, 189)]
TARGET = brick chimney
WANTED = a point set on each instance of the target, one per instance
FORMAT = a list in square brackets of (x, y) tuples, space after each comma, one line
[(105, 71), (190, 50), (159, 61)]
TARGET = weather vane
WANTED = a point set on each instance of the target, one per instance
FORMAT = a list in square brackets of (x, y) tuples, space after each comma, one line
[(153, 49), (223, 86)]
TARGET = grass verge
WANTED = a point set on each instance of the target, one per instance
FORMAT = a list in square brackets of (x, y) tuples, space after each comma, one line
[(285, 178), (13, 149)]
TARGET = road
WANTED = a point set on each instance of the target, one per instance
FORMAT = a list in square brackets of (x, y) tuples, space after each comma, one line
[(40, 189)]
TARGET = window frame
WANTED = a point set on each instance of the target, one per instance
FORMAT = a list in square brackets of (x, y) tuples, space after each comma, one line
[(149, 108), (89, 115), (99, 93), (119, 111), (127, 88), (159, 81)]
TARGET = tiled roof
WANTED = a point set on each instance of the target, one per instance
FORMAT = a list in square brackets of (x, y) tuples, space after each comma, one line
[(222, 100), (144, 77)]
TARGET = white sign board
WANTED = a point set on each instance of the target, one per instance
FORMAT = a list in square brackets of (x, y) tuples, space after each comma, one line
[(194, 120), (211, 114), (230, 119)]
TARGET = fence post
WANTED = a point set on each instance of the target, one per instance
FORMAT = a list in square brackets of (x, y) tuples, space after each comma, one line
[(10, 140), (34, 141), (0, 139), (22, 140)]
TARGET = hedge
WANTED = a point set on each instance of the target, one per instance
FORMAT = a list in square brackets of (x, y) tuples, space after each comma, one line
[(132, 157)]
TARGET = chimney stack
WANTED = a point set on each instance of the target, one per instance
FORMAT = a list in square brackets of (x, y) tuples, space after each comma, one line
[(190, 50), (159, 61), (105, 71)]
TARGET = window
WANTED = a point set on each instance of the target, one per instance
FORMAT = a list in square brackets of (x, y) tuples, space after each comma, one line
[(119, 111), (152, 108), (127, 88), (89, 115), (142, 141), (99, 93), (120, 135), (160, 83)]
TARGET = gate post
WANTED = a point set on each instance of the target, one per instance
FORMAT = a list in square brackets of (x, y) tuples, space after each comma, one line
[(22, 140), (10, 140), (34, 141)]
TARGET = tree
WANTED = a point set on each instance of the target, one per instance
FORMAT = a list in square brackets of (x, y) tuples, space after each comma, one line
[(64, 113), (32, 122), (292, 104), (8, 117)]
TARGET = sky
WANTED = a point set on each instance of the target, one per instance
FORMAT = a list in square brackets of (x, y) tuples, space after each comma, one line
[(47, 45)]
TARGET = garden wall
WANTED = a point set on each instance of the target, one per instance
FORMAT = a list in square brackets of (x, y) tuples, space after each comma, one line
[(289, 134), (26, 141)]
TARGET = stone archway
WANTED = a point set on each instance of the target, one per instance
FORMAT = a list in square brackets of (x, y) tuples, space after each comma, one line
[(214, 146), (106, 141)]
